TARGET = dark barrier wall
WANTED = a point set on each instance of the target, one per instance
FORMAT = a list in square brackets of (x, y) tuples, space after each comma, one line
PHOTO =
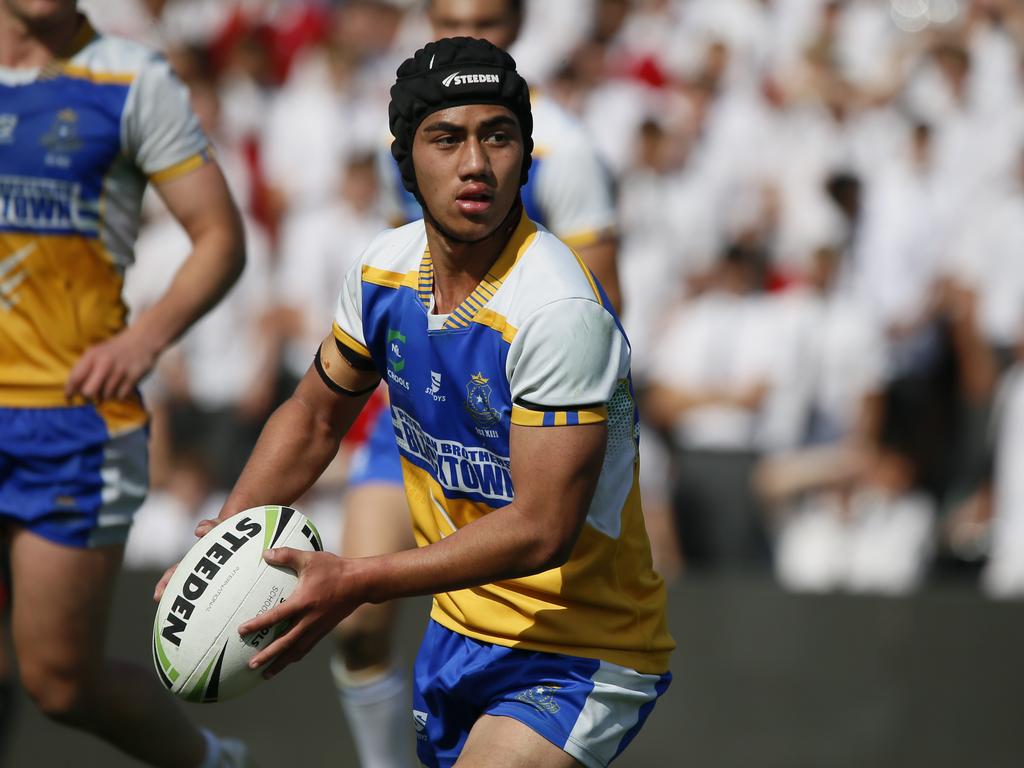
[(762, 678)]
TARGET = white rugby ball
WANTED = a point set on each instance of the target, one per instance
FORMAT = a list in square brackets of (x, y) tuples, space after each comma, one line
[(222, 582)]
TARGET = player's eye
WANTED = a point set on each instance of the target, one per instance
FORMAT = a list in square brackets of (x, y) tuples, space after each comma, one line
[(447, 141), (499, 138)]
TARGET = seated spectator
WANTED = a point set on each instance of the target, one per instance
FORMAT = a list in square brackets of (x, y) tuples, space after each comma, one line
[(850, 517)]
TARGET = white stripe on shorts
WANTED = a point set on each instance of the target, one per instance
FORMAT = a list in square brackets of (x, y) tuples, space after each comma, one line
[(611, 709), (125, 474)]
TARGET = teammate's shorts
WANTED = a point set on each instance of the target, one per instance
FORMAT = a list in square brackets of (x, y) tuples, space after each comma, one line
[(377, 460), (589, 708), (65, 478)]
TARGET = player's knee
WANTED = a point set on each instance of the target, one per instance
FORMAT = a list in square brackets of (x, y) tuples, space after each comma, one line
[(61, 695), (364, 639)]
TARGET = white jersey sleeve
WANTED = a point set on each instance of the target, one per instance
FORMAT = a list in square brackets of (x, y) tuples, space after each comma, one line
[(348, 314), (568, 355), (161, 133)]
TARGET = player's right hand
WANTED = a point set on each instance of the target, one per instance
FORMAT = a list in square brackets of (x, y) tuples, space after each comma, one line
[(162, 584)]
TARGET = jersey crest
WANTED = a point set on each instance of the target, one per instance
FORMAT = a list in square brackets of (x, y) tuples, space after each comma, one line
[(478, 401)]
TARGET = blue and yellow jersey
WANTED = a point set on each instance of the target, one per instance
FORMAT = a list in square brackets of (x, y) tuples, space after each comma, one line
[(568, 192), (535, 344), (79, 140)]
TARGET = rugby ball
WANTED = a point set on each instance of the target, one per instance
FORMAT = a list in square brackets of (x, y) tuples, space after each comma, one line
[(222, 582)]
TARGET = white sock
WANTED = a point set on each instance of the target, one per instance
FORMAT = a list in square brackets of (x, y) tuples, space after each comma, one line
[(379, 716)]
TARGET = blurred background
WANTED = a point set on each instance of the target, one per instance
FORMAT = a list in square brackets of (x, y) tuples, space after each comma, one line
[(821, 248)]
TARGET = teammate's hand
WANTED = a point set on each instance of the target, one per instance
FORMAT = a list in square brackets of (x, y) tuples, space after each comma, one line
[(113, 368), (320, 600)]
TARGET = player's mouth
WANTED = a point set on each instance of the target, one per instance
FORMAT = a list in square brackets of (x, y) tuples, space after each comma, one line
[(474, 199)]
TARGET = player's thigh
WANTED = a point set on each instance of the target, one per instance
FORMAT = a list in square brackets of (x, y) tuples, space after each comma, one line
[(61, 603), (502, 742), (377, 521)]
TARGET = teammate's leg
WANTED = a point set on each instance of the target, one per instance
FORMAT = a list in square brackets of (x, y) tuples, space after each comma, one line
[(61, 605), (374, 693), (502, 742)]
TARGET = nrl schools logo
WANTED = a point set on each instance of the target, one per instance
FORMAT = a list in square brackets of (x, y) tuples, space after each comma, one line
[(457, 78), (396, 359)]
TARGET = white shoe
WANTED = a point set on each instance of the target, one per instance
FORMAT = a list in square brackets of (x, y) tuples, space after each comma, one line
[(226, 753), (234, 753)]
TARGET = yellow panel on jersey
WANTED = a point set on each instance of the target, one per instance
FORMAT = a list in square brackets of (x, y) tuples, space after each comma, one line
[(387, 279), (52, 313), (586, 237), (349, 342), (500, 323), (604, 603), (527, 417), (179, 169)]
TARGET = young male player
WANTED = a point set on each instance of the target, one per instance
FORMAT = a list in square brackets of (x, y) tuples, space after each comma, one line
[(85, 122), (569, 193), (547, 644)]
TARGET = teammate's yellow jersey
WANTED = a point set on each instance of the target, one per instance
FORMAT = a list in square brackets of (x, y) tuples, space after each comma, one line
[(536, 344), (79, 139)]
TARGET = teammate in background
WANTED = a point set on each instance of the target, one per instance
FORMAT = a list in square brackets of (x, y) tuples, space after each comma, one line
[(509, 377), (85, 122), (569, 192)]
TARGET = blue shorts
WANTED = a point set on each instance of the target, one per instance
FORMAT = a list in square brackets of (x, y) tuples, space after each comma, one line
[(377, 460), (589, 708), (63, 477)]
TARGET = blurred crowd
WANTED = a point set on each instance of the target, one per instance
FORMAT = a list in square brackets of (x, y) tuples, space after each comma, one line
[(820, 243)]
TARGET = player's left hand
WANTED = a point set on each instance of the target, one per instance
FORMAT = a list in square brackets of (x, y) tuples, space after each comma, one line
[(320, 600), (113, 368)]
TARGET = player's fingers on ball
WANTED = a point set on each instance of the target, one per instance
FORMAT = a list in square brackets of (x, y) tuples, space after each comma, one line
[(281, 612), (161, 585), (203, 527), (304, 641), (278, 647), (288, 557)]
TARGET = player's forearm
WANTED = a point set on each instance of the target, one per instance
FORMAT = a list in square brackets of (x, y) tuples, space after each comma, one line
[(505, 544), (216, 262)]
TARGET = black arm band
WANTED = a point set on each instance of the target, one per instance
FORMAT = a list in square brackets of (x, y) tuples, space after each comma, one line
[(335, 386), (546, 408), (356, 360)]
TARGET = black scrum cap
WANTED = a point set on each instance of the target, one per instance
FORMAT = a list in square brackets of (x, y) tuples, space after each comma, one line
[(453, 72)]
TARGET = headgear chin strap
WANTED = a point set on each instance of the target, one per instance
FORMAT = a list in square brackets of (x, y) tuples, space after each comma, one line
[(454, 72)]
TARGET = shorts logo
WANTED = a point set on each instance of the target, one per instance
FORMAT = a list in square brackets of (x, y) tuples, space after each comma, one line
[(419, 719), (478, 400), (457, 78), (540, 697)]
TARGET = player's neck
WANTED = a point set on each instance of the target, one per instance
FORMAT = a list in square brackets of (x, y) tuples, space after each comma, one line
[(27, 45), (458, 266)]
